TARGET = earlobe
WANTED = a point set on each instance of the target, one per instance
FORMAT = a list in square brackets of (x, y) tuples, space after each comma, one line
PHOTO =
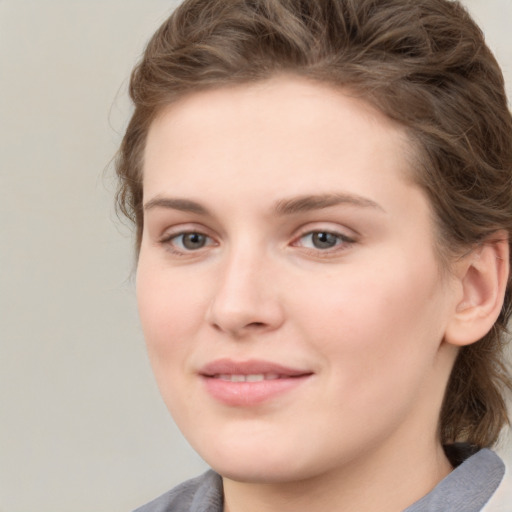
[(483, 278)]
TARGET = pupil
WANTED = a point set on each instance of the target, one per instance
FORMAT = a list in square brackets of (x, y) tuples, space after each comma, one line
[(193, 240), (324, 240)]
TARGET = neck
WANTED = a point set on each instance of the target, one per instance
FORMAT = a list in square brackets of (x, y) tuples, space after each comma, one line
[(386, 482)]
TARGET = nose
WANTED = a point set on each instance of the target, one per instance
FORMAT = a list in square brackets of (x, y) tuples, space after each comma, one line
[(246, 297)]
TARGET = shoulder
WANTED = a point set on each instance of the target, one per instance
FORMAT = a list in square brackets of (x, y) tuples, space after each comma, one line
[(201, 494), (501, 500), (468, 488)]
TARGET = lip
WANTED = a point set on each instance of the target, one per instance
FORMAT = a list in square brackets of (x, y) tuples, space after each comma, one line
[(278, 379)]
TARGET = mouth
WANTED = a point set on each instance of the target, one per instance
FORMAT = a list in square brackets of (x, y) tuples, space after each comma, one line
[(254, 377), (249, 383), (227, 369)]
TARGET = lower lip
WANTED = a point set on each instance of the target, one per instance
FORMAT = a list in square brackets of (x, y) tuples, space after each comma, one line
[(245, 394)]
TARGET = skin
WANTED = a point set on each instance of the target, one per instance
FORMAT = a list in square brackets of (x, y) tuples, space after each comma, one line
[(366, 317)]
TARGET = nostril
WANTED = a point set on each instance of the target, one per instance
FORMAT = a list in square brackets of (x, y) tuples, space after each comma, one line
[(255, 325)]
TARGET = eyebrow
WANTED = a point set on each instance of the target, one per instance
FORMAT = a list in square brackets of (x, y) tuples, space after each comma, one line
[(290, 206), (317, 202), (184, 205)]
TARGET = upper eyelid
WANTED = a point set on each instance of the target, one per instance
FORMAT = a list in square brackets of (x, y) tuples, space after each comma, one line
[(343, 238), (170, 236), (327, 227), (324, 229), (180, 229), (334, 228), (166, 238)]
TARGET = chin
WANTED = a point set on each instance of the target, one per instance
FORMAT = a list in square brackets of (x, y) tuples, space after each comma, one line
[(263, 462), (263, 467), (260, 472)]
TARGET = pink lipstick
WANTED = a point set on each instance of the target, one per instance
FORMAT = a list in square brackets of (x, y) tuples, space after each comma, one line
[(246, 383)]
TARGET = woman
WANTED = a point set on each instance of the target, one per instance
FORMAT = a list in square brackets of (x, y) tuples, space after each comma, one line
[(321, 193)]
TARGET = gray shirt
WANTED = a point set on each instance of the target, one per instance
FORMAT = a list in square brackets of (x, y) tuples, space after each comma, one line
[(466, 489)]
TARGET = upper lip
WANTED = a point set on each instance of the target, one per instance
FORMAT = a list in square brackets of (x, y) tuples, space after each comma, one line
[(250, 367)]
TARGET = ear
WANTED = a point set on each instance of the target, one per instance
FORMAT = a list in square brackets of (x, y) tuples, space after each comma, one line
[(483, 276)]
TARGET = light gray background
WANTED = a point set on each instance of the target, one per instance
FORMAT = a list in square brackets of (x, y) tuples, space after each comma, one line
[(82, 427)]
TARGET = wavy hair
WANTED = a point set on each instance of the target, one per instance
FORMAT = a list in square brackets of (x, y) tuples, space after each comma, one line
[(424, 64)]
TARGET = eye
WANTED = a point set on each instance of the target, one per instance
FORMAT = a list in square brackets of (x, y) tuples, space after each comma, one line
[(189, 241), (323, 240)]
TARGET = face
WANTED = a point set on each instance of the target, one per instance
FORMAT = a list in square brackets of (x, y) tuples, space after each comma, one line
[(288, 287)]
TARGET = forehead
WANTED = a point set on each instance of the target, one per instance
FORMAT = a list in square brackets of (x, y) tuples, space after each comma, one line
[(285, 125), (272, 102)]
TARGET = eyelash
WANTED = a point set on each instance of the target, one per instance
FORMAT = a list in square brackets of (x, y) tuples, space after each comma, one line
[(341, 242), (167, 241)]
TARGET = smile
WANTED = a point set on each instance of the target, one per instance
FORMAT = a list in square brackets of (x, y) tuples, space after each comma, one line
[(249, 383), (255, 377)]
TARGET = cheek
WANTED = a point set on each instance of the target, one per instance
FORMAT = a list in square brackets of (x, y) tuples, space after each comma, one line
[(170, 314), (381, 324), (170, 309)]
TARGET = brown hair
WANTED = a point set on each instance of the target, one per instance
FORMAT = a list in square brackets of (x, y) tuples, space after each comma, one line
[(424, 64)]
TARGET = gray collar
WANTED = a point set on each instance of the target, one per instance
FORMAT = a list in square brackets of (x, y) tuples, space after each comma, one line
[(467, 488)]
